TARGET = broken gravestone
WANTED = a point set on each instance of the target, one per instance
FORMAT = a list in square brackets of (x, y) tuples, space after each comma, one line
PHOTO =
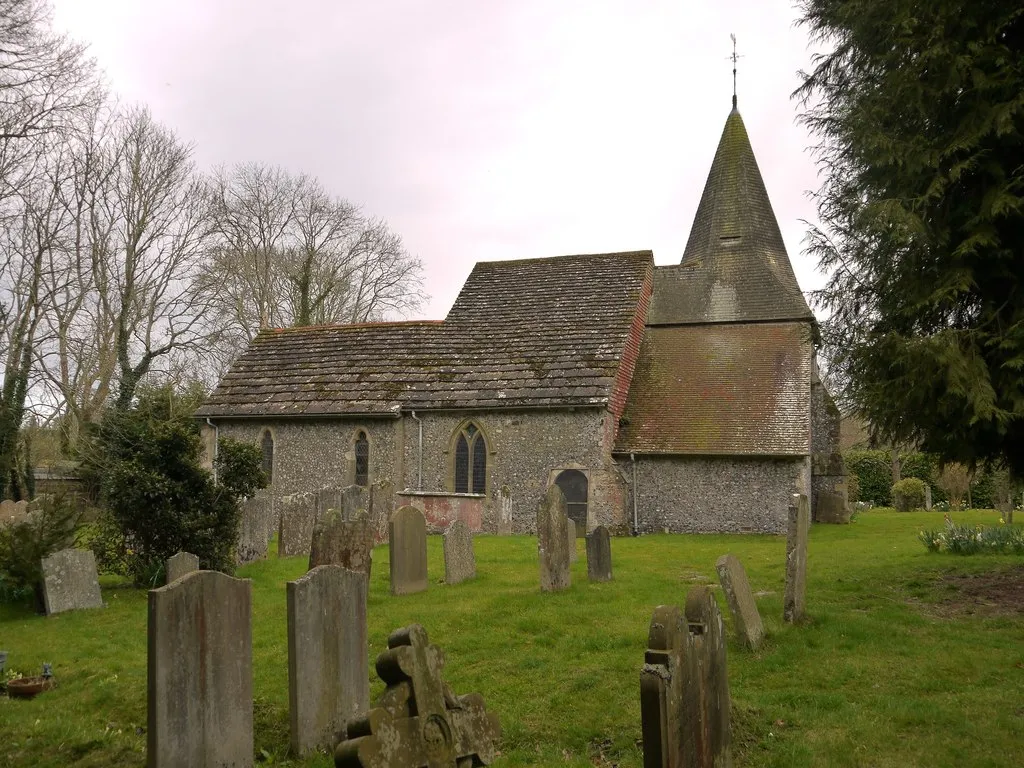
[(418, 722), (70, 581), (407, 546), (199, 672), (459, 561), (795, 598), (599, 555), (740, 598), (180, 564), (552, 542), (328, 673)]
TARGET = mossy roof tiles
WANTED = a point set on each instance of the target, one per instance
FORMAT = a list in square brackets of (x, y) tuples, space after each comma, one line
[(728, 389), (529, 333)]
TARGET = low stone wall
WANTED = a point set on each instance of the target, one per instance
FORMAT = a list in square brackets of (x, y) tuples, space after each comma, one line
[(442, 509)]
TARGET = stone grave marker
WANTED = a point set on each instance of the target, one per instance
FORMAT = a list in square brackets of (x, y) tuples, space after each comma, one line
[(553, 542), (328, 673), (337, 541), (705, 624), (13, 511), (258, 524), (70, 581), (180, 564), (407, 545), (599, 555), (199, 670), (350, 501), (298, 515), (459, 561), (740, 598), (832, 508), (927, 497), (570, 539), (419, 721), (794, 600)]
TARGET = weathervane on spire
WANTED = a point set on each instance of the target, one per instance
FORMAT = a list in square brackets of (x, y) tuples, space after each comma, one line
[(734, 57)]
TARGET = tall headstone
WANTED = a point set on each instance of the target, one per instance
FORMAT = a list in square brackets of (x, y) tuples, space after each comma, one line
[(199, 666), (180, 564), (705, 624), (553, 542), (740, 598), (570, 539), (258, 524), (407, 545), (298, 515), (794, 601), (927, 497), (459, 560), (419, 722), (70, 581), (599, 555), (328, 673), (337, 541)]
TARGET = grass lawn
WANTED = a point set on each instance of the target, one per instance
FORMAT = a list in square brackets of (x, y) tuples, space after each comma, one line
[(898, 664)]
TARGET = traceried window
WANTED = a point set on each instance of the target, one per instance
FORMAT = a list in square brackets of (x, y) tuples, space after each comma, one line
[(268, 456), (470, 460), (362, 450)]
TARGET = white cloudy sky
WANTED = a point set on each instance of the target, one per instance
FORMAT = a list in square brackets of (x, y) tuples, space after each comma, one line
[(479, 129)]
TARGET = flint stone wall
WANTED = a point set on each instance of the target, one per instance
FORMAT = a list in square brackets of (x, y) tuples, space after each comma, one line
[(715, 495)]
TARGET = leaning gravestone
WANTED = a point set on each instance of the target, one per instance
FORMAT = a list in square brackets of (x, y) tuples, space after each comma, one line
[(795, 600), (337, 541), (298, 515), (419, 722), (553, 542), (180, 564), (599, 555), (200, 672), (740, 598), (570, 539), (407, 545), (257, 527), (459, 561), (328, 674), (70, 581), (705, 624)]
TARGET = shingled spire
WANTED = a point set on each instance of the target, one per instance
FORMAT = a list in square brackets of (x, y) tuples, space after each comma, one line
[(735, 265)]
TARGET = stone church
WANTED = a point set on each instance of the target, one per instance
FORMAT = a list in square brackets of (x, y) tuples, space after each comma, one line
[(678, 398)]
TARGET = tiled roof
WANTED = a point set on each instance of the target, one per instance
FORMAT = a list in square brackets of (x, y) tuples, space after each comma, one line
[(735, 267), (538, 332), (730, 389)]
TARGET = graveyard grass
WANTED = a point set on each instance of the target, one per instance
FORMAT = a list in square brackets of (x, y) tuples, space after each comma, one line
[(887, 670)]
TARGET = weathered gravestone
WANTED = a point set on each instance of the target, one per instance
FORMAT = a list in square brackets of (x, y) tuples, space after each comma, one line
[(407, 546), (350, 501), (599, 555), (795, 600), (418, 721), (684, 688), (337, 541), (570, 539), (927, 497), (257, 526), (328, 672), (13, 512), (70, 581), (199, 666), (553, 542), (180, 564), (298, 515), (740, 598), (832, 508), (459, 561)]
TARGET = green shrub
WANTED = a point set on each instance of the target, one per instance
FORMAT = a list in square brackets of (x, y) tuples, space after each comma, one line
[(873, 470), (908, 494), (50, 527), (923, 466), (852, 488)]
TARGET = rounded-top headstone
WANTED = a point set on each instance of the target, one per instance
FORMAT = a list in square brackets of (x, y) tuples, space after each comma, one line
[(407, 544)]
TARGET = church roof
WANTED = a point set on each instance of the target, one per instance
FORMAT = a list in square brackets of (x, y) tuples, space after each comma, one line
[(735, 267), (724, 389), (528, 333)]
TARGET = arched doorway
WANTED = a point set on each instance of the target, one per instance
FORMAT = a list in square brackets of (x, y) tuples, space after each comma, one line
[(574, 487)]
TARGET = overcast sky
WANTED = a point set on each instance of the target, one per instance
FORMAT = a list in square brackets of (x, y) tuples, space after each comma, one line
[(479, 129)]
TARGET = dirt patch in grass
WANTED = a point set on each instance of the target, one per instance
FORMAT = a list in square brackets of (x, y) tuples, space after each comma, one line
[(995, 593)]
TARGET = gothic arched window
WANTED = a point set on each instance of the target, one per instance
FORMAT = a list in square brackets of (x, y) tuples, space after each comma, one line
[(268, 456), (470, 460), (362, 451)]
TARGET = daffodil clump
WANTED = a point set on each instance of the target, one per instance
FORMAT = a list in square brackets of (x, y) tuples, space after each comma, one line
[(971, 540)]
